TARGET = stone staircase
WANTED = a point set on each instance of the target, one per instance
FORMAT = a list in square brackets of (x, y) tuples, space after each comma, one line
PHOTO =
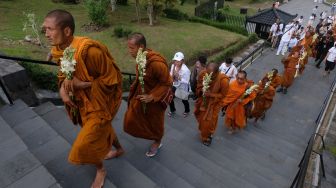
[(40, 140)]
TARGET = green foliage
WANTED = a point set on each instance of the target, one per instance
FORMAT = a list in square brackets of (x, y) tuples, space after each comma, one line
[(97, 10), (121, 32), (175, 14), (219, 25), (233, 49), (42, 77)]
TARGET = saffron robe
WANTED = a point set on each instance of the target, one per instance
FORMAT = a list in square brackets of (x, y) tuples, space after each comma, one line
[(289, 71), (98, 104), (149, 124), (235, 115), (207, 113), (263, 101)]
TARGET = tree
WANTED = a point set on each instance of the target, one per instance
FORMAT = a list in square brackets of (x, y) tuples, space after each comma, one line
[(113, 5), (150, 11), (137, 10)]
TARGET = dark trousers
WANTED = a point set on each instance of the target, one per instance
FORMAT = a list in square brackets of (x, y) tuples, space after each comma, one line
[(319, 58), (185, 103)]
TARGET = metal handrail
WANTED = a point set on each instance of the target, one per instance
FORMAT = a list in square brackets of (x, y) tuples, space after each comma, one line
[(41, 62), (252, 55), (298, 181)]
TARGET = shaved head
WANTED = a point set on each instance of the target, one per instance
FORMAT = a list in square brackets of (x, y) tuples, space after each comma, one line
[(138, 38), (63, 19)]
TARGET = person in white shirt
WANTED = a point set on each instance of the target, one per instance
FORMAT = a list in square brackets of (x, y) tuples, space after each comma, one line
[(275, 32), (289, 30), (315, 10), (323, 15), (228, 69), (333, 9), (330, 60), (311, 20), (181, 78)]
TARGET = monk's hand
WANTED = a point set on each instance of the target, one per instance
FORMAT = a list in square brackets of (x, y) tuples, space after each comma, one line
[(66, 98), (207, 94), (145, 98), (68, 85), (78, 84)]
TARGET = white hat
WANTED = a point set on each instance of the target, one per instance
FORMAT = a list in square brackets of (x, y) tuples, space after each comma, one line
[(178, 56)]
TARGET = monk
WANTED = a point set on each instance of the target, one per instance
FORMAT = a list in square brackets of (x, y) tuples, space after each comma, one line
[(148, 123), (290, 68), (264, 99), (207, 109), (235, 102), (96, 88), (307, 44), (274, 78)]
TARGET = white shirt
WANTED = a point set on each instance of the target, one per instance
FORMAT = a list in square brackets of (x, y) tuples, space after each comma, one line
[(230, 71), (292, 42), (184, 73), (289, 30), (280, 30), (300, 20), (323, 15), (332, 54), (274, 28)]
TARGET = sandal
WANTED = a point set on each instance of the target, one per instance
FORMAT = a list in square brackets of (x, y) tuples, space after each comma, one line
[(171, 114), (153, 151), (208, 141)]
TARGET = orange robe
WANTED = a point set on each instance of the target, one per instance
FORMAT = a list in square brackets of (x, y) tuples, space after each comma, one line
[(235, 115), (149, 125), (276, 81), (97, 104), (307, 43), (263, 101), (289, 72), (207, 116)]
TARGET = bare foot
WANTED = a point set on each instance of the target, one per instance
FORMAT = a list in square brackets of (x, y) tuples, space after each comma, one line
[(100, 179), (114, 154)]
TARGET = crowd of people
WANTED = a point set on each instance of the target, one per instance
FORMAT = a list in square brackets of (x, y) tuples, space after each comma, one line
[(92, 92)]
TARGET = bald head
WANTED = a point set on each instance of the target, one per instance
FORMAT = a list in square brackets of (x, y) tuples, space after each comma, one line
[(63, 19), (138, 39)]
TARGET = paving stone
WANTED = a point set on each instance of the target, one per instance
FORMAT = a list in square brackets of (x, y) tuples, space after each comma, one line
[(44, 108), (39, 178), (15, 118), (11, 147), (39, 137), (17, 167), (51, 149)]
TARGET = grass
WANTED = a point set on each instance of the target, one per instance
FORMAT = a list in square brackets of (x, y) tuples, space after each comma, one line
[(332, 150), (167, 37)]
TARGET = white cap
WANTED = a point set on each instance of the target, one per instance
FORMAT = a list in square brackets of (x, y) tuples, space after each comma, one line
[(178, 56)]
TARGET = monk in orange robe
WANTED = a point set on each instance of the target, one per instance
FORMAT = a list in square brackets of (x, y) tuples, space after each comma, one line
[(208, 105), (290, 68), (274, 78), (235, 103), (264, 99), (96, 88), (148, 122)]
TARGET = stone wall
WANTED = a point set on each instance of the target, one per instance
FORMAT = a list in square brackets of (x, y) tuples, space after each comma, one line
[(17, 82)]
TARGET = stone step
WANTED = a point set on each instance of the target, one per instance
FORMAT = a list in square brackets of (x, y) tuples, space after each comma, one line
[(45, 144), (180, 158), (120, 171), (239, 162), (18, 166)]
